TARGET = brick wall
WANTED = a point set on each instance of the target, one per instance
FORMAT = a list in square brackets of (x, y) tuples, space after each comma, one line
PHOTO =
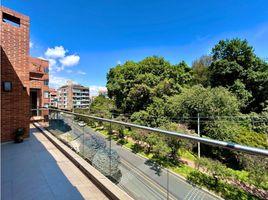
[(37, 77), (15, 105)]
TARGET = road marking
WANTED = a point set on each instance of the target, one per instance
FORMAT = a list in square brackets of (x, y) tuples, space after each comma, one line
[(191, 194), (188, 194), (196, 194), (153, 183)]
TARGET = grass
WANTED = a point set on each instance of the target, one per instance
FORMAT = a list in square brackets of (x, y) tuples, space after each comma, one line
[(186, 154), (183, 170)]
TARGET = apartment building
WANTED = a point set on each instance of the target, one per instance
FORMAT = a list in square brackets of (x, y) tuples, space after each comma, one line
[(73, 96), (53, 98), (24, 80)]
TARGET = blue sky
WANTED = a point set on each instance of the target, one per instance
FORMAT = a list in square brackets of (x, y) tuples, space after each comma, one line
[(83, 39)]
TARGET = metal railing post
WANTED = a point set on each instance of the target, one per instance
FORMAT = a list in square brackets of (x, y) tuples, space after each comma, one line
[(198, 132)]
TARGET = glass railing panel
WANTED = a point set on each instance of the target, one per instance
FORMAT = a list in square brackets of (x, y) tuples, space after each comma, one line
[(155, 165)]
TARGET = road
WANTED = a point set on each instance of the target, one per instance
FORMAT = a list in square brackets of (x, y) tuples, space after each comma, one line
[(146, 180)]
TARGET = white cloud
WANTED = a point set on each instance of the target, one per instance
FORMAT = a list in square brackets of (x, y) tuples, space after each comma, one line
[(59, 68), (81, 72), (69, 71), (119, 62), (94, 89), (57, 81), (69, 61), (56, 52), (52, 63), (31, 44), (58, 59)]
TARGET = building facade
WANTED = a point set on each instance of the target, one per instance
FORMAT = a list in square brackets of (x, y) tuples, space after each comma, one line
[(73, 96), (39, 89), (22, 78)]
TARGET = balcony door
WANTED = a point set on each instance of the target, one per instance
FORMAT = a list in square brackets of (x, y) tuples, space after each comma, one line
[(34, 99)]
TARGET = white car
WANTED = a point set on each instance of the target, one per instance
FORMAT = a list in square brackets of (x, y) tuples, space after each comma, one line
[(81, 123)]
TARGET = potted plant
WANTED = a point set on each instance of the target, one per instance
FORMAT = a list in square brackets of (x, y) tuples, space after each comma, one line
[(19, 135)]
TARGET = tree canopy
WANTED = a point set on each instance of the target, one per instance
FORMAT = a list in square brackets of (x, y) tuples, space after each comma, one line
[(133, 85), (235, 66)]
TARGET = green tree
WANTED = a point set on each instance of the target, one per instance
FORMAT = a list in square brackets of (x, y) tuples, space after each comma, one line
[(153, 116), (134, 85), (200, 70), (173, 142), (151, 139), (102, 107), (233, 132), (207, 101), (235, 60)]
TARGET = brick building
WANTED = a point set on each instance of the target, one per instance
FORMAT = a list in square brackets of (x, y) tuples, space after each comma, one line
[(39, 89), (72, 96), (23, 84)]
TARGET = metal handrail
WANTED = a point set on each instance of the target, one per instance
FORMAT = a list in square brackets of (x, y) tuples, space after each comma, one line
[(226, 145)]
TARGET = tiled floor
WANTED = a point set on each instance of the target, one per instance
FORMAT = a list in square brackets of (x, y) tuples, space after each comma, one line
[(36, 169)]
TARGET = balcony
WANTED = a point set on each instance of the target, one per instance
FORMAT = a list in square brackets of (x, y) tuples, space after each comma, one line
[(36, 72), (36, 169)]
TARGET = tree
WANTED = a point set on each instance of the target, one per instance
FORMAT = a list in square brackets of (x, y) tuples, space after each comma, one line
[(138, 98), (200, 70), (153, 116), (161, 149), (133, 85), (151, 139), (173, 142), (205, 101), (233, 132), (102, 107), (243, 95), (235, 66)]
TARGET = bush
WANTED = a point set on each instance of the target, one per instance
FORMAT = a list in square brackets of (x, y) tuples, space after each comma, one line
[(235, 133), (226, 190)]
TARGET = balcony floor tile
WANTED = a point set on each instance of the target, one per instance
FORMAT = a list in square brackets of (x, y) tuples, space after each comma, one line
[(36, 169)]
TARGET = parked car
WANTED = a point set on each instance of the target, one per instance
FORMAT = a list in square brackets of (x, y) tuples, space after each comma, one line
[(81, 123)]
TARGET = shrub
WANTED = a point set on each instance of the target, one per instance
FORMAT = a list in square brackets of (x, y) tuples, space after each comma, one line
[(226, 190)]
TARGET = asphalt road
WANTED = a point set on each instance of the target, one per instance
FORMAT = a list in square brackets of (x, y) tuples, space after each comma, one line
[(146, 180)]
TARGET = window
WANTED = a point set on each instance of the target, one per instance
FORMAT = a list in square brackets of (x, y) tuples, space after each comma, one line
[(46, 70), (46, 82), (46, 105), (46, 93), (15, 21), (7, 86)]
